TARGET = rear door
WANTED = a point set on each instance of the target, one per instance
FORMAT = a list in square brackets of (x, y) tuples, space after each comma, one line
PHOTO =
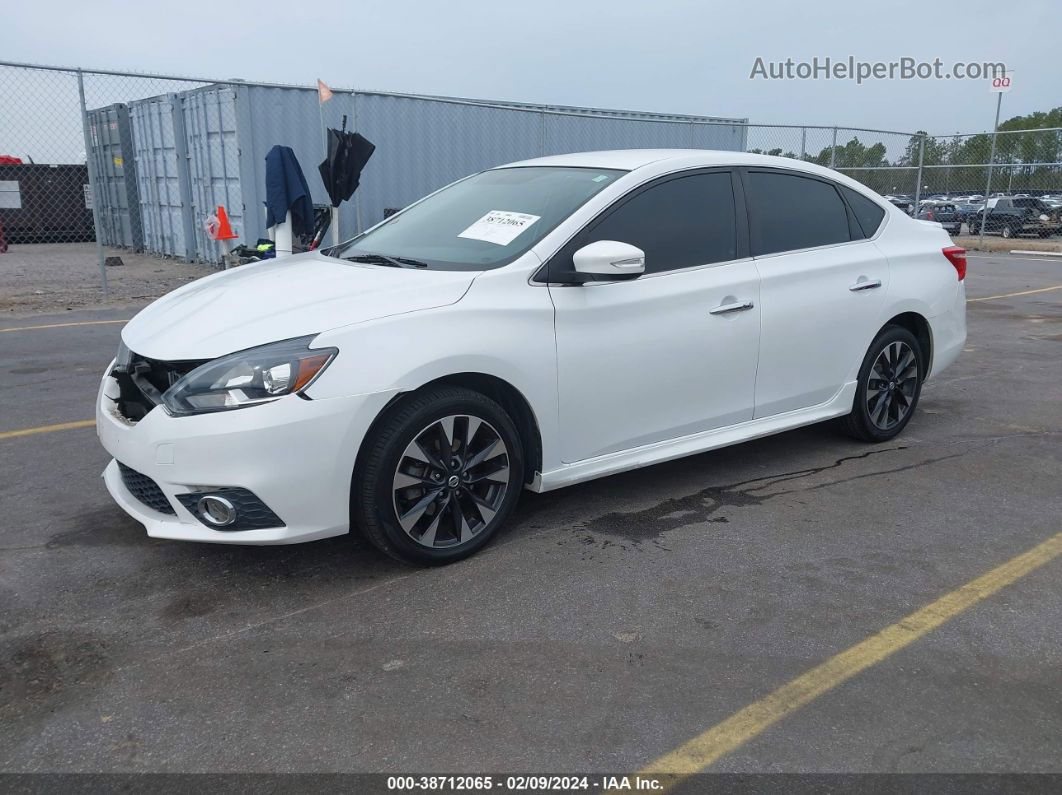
[(822, 285), (672, 352)]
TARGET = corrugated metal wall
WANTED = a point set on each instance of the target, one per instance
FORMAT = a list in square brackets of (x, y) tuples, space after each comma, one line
[(162, 177), (114, 170), (213, 163), (424, 144), (207, 146)]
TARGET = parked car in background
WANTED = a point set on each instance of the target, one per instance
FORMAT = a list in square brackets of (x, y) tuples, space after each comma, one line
[(532, 326), (968, 210), (943, 213), (904, 203), (1014, 216)]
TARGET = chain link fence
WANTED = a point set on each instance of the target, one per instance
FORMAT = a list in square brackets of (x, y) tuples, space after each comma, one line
[(95, 164)]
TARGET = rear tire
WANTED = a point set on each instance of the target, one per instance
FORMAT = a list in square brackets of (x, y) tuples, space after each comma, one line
[(438, 474), (887, 388)]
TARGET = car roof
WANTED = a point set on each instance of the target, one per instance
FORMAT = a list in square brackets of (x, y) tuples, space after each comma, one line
[(634, 159)]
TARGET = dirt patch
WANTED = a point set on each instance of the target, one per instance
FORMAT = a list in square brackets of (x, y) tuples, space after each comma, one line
[(998, 244), (50, 277)]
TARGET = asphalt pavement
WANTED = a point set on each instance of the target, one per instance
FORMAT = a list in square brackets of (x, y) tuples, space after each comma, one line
[(609, 624)]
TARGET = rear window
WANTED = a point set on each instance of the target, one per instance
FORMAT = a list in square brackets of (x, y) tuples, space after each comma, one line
[(868, 213)]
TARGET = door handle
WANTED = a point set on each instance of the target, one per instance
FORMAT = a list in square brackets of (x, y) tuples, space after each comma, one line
[(723, 309), (865, 285)]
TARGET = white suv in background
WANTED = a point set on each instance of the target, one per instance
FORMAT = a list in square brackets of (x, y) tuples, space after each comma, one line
[(530, 326)]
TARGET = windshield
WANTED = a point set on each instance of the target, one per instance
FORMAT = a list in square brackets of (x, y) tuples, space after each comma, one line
[(482, 222)]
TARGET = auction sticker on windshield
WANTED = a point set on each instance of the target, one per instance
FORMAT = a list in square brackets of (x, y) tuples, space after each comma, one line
[(499, 226)]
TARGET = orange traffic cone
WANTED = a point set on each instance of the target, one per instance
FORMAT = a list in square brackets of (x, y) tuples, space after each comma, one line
[(224, 227)]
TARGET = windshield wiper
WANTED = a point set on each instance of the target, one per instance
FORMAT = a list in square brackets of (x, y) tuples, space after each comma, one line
[(384, 259)]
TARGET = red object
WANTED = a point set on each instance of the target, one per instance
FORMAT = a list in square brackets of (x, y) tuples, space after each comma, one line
[(10, 160), (929, 216), (957, 256), (224, 227)]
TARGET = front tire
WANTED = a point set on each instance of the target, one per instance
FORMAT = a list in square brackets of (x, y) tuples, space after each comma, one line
[(888, 386), (438, 475)]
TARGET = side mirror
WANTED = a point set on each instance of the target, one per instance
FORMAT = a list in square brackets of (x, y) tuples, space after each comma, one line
[(610, 259)]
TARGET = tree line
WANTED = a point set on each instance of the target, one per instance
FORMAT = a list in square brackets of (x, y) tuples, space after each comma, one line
[(955, 163)]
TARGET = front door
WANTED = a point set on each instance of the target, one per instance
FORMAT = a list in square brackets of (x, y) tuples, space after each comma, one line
[(672, 352)]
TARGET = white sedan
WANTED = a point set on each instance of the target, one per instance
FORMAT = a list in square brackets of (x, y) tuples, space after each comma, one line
[(531, 326)]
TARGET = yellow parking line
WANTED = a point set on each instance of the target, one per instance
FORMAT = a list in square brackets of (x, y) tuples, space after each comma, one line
[(62, 325), (62, 426), (1011, 295), (747, 723)]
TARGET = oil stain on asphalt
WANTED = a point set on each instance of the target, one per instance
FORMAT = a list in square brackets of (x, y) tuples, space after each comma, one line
[(703, 506), (40, 670)]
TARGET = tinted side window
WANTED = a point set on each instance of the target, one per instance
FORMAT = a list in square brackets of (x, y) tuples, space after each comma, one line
[(788, 212), (866, 211), (678, 223), (1036, 204)]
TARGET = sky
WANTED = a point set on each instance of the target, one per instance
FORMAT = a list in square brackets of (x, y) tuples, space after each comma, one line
[(664, 55)]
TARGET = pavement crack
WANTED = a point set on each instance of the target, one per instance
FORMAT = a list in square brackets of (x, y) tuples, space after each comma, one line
[(703, 506)]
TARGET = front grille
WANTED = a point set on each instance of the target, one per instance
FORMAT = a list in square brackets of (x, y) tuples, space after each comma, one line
[(142, 381), (146, 490)]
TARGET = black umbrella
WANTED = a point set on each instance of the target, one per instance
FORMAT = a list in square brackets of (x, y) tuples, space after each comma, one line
[(348, 152)]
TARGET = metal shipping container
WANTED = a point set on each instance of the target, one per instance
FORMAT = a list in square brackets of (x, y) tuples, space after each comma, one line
[(42, 203), (161, 151), (206, 147), (113, 167), (213, 163), (424, 143), (229, 130)]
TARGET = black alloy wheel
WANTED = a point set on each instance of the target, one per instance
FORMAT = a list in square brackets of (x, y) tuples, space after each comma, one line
[(888, 386)]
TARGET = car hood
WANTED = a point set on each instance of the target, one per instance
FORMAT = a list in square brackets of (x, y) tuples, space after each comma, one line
[(280, 299)]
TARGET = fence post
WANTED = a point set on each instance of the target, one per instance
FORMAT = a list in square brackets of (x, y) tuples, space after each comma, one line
[(988, 181), (93, 185), (803, 143), (918, 177), (833, 148)]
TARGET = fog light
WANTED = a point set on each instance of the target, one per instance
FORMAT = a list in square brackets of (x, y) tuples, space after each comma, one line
[(216, 511)]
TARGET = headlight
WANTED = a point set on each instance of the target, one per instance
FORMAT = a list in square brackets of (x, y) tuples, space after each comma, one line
[(123, 358), (247, 378)]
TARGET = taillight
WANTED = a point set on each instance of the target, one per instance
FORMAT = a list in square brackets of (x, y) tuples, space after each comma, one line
[(957, 256)]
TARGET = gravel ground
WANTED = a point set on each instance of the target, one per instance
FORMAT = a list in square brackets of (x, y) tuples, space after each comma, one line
[(997, 244), (52, 277)]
